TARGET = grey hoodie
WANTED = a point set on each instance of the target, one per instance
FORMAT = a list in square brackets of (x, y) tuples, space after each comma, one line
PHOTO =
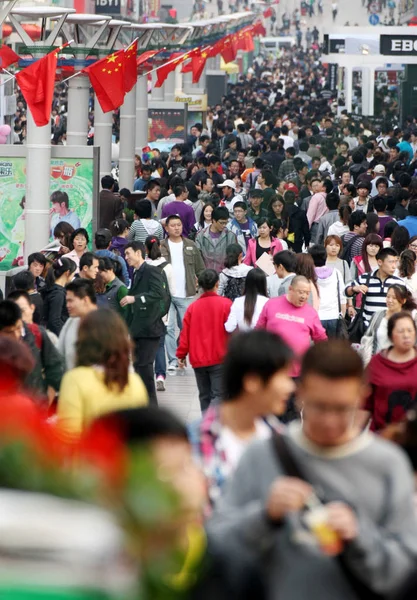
[(370, 474)]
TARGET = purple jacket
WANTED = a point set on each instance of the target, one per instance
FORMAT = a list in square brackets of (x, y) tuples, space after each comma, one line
[(118, 245)]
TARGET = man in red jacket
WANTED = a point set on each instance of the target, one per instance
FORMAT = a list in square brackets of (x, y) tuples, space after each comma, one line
[(204, 338)]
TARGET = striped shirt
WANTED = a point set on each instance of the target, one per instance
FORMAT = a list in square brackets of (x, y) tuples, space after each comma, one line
[(356, 247), (142, 228), (377, 292)]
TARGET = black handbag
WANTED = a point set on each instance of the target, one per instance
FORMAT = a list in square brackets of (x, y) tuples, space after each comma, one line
[(291, 468), (357, 327), (342, 330)]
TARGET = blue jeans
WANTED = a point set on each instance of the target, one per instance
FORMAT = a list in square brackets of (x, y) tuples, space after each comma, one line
[(160, 360), (175, 316), (331, 325)]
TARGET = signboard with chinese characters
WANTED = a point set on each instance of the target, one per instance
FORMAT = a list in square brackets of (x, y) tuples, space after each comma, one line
[(194, 101), (75, 176)]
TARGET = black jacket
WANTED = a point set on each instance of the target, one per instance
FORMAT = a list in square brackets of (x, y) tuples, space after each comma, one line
[(274, 159), (49, 364), (297, 225), (144, 316), (55, 308)]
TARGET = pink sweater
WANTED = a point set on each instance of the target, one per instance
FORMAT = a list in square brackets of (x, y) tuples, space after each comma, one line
[(317, 208), (296, 325)]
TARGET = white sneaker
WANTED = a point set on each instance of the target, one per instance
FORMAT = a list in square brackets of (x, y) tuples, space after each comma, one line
[(172, 369), (160, 384)]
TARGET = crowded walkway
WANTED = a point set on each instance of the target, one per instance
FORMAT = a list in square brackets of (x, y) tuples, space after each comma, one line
[(212, 395)]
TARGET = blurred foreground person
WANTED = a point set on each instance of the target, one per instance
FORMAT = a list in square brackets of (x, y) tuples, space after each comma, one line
[(312, 507), (48, 368), (16, 362), (177, 561), (256, 388), (101, 381)]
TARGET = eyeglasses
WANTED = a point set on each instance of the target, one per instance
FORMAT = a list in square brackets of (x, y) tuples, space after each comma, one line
[(413, 246), (341, 412)]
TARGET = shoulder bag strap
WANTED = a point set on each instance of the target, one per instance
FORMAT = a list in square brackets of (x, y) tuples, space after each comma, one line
[(362, 308), (290, 466), (338, 296)]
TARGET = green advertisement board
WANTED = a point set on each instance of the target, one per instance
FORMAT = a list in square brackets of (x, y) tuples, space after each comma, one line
[(75, 176)]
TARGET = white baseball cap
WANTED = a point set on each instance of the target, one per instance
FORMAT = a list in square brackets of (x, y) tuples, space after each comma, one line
[(379, 169), (228, 183)]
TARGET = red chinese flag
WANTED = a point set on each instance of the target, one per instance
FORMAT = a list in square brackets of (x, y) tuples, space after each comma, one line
[(198, 65), (267, 13), (249, 45), (130, 66), (143, 58), (37, 84), (259, 29), (7, 57), (216, 49), (163, 71), (229, 49), (106, 77)]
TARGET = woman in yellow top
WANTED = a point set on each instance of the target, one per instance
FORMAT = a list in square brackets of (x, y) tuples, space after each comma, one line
[(101, 382)]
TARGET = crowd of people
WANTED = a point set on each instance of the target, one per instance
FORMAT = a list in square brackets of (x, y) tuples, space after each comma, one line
[(274, 252)]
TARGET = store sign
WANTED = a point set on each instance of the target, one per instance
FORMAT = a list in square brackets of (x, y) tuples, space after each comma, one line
[(108, 7), (398, 45), (194, 101)]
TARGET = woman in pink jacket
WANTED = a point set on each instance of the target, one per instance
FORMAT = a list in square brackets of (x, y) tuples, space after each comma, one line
[(263, 243)]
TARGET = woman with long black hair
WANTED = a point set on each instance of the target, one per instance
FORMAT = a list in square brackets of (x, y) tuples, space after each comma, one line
[(54, 304), (245, 310)]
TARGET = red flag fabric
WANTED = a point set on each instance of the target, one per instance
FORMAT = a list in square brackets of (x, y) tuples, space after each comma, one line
[(37, 84), (198, 65), (229, 49), (244, 40), (163, 71), (143, 58), (106, 77), (259, 29), (175, 59), (267, 13), (130, 68), (7, 57)]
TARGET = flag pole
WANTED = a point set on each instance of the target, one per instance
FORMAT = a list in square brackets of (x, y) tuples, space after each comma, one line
[(80, 72), (167, 63), (7, 80), (8, 73)]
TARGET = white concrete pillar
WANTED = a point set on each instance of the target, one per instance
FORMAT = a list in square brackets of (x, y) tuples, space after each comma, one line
[(178, 79), (371, 97), (38, 173), (103, 124), (141, 114), (127, 140), (169, 87), (365, 90), (348, 88), (78, 99), (157, 94)]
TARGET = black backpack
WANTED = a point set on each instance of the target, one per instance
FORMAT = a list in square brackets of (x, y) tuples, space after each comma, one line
[(346, 249), (167, 295), (235, 287)]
